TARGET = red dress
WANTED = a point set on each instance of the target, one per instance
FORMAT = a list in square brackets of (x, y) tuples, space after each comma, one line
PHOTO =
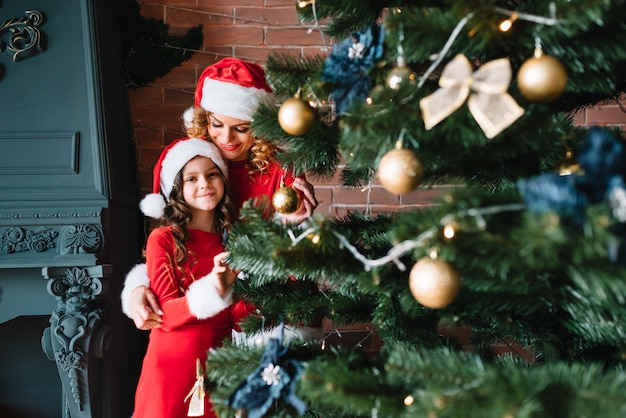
[(169, 367), (260, 185)]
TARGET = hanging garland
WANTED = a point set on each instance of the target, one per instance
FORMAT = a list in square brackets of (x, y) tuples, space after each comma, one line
[(148, 49)]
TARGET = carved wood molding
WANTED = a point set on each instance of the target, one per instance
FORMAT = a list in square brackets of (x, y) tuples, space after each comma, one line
[(21, 36)]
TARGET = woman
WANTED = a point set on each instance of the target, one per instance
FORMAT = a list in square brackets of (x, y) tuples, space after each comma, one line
[(227, 95)]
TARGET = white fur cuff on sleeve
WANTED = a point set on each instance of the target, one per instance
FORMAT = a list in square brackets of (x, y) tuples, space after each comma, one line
[(137, 276), (203, 300)]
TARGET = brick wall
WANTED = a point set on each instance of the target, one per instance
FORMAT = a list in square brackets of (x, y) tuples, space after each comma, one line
[(251, 29)]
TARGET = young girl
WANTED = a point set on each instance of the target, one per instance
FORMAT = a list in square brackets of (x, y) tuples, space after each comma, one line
[(227, 95), (184, 258)]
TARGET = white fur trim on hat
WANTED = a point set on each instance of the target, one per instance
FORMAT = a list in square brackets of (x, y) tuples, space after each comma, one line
[(137, 276), (152, 205), (232, 100), (188, 117), (203, 299)]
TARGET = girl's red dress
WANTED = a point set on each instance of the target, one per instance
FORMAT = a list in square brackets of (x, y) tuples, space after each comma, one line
[(169, 367)]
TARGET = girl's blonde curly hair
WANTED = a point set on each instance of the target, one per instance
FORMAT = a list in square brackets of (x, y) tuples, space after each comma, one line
[(261, 152)]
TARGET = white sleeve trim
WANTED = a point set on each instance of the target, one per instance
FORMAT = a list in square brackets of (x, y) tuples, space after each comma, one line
[(137, 276), (203, 299)]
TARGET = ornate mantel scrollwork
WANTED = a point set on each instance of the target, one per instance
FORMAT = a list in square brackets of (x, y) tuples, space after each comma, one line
[(24, 37), (72, 239), (79, 239), (17, 239), (79, 334)]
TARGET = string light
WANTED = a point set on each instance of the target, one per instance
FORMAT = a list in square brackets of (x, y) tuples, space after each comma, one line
[(398, 250), (550, 21), (449, 231), (408, 401), (507, 24)]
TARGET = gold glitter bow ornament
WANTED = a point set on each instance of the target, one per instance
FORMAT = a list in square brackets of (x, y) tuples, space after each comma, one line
[(196, 394), (491, 106)]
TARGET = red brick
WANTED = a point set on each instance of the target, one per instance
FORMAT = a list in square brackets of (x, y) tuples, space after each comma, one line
[(423, 195), (324, 181), (148, 138), (315, 51), (145, 95), (292, 36), (580, 118), (178, 97), (204, 15), (267, 15), (605, 115), (145, 180), (233, 3), (291, 3), (152, 11), (324, 210), (324, 196), (182, 76), (258, 54), (207, 56), (233, 35), (159, 117), (351, 196)]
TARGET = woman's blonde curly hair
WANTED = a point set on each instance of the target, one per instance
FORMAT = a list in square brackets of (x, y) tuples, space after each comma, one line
[(261, 152)]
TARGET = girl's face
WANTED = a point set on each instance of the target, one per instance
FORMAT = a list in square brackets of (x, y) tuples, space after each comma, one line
[(203, 185), (232, 136)]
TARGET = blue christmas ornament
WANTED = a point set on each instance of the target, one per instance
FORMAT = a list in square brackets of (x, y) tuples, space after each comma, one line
[(275, 378), (552, 192), (601, 158), (603, 162), (348, 65)]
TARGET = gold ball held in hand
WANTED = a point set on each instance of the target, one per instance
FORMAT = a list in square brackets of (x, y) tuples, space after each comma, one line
[(296, 116), (542, 78), (286, 200), (434, 283), (400, 171)]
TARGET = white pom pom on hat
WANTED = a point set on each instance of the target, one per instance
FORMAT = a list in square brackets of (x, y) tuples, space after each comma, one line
[(231, 87), (173, 158)]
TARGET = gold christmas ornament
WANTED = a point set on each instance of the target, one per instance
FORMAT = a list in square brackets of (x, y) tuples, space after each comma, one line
[(569, 165), (296, 116), (401, 76), (489, 103), (286, 200), (400, 171), (434, 283), (542, 78)]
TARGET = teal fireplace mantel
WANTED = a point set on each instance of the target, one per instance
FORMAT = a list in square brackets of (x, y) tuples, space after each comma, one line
[(69, 224)]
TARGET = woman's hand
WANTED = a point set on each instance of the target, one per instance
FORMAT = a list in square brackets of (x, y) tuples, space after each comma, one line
[(144, 308), (308, 202)]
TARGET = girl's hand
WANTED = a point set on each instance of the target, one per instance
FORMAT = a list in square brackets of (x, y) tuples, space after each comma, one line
[(225, 277)]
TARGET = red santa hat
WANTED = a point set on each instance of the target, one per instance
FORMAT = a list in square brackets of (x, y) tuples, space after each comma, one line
[(173, 158), (231, 87)]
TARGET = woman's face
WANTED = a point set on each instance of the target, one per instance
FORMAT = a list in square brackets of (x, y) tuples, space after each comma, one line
[(232, 136)]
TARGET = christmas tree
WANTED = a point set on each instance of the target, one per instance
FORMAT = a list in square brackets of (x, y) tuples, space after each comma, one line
[(523, 250)]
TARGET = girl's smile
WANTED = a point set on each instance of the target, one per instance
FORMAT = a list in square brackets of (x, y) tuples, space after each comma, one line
[(203, 189)]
